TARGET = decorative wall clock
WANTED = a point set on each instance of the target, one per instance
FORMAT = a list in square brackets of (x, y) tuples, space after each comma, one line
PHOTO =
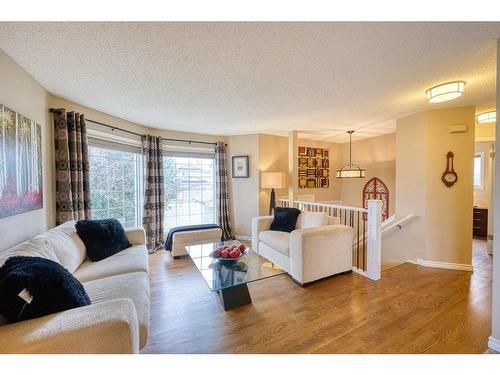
[(449, 176)]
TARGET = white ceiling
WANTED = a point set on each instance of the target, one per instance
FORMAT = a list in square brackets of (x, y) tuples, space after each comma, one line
[(237, 78)]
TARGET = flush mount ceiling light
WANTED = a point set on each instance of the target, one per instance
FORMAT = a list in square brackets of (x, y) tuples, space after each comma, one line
[(350, 170), (445, 92), (483, 118)]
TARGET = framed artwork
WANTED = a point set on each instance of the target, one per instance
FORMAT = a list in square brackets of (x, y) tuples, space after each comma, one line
[(313, 168), (240, 166), (21, 179)]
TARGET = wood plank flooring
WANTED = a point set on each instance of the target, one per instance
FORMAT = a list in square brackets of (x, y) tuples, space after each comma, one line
[(412, 309)]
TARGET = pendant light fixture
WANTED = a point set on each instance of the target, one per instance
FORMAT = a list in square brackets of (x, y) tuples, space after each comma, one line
[(486, 117), (445, 92), (350, 170)]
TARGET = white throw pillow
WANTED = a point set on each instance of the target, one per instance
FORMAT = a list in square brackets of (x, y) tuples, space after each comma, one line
[(35, 247), (311, 220), (66, 244)]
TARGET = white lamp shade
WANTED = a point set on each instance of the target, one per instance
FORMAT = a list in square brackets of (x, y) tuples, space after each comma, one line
[(486, 117), (445, 92), (273, 180)]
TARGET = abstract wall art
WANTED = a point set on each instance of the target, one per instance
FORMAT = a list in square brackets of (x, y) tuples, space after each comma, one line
[(314, 164), (21, 180)]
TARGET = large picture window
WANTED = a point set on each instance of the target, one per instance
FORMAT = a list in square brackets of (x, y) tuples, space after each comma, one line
[(115, 184), (189, 190)]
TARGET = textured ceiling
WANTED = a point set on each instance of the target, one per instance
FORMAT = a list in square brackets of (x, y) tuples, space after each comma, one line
[(236, 78)]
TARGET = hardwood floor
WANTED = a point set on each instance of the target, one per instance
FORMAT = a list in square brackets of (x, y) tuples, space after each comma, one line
[(412, 309)]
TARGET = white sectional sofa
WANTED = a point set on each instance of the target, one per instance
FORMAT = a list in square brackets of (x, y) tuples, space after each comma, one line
[(117, 321), (319, 246)]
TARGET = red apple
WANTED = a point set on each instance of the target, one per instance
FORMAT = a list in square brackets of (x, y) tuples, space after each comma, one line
[(241, 247), (225, 253), (235, 254)]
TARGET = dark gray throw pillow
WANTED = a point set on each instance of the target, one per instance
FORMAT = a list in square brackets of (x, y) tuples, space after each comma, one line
[(102, 238), (31, 287), (285, 219)]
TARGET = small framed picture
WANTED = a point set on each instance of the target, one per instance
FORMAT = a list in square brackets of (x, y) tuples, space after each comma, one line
[(240, 166)]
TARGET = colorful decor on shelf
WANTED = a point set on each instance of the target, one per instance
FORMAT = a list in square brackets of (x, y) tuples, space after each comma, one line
[(21, 182), (314, 164)]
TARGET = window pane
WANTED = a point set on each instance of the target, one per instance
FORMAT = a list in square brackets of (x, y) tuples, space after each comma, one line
[(189, 191), (114, 185), (478, 171)]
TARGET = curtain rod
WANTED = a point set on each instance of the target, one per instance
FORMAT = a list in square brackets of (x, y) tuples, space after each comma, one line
[(112, 127)]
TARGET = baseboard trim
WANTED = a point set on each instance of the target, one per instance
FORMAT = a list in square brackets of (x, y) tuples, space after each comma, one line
[(444, 265), (241, 237), (494, 344)]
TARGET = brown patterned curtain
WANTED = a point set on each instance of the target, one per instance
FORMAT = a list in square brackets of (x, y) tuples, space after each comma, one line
[(154, 200), (222, 192), (72, 167)]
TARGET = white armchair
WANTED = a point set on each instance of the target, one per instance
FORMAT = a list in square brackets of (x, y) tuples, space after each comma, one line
[(319, 247)]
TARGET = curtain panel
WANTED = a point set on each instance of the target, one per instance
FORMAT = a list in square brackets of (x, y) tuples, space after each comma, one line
[(154, 200), (222, 192), (71, 156)]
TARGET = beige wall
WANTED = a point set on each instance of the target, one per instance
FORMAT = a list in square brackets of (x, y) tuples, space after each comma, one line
[(485, 132), (21, 93), (449, 213), (273, 157), (90, 113), (335, 153), (443, 230), (244, 192), (378, 157)]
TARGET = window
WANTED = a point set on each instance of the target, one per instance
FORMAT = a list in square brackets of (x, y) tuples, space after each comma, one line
[(479, 171), (189, 190), (115, 183)]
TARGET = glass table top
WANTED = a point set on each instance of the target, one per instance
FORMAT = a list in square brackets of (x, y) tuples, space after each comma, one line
[(220, 274)]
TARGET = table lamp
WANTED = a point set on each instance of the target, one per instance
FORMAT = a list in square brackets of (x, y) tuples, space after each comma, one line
[(273, 180)]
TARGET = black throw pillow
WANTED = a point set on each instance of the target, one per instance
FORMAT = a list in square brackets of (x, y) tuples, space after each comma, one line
[(31, 287), (285, 219), (102, 238)]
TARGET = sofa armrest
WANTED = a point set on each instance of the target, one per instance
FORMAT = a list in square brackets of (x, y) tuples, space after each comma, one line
[(136, 236), (105, 327), (259, 224), (320, 252)]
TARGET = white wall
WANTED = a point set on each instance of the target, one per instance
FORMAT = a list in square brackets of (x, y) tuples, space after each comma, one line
[(21, 93), (495, 339)]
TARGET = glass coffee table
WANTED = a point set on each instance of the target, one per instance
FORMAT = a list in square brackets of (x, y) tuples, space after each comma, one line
[(229, 278)]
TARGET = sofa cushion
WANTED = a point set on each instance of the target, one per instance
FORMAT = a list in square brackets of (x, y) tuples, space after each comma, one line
[(311, 220), (31, 287), (102, 238), (132, 285), (66, 245), (285, 219), (36, 247), (133, 259), (279, 241)]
